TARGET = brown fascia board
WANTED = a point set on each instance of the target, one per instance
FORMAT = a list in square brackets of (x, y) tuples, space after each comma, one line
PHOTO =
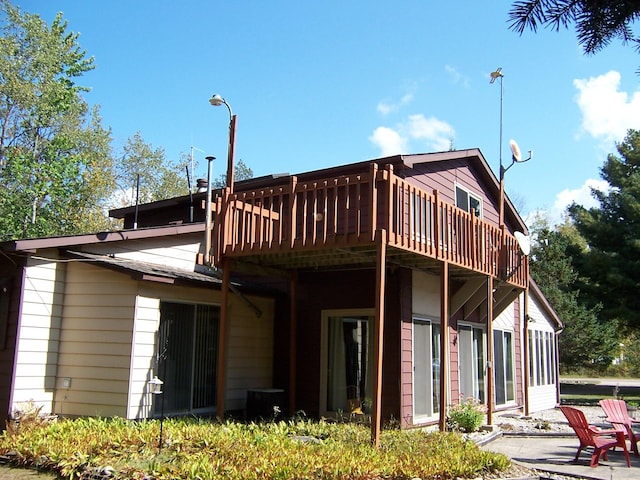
[(544, 303), (33, 244)]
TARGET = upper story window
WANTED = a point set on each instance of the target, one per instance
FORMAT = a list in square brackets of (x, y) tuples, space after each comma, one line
[(468, 201)]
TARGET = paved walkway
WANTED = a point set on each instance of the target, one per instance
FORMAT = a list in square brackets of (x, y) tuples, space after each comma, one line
[(555, 453)]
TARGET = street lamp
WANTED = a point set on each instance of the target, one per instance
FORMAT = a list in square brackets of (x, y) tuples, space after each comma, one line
[(216, 100)]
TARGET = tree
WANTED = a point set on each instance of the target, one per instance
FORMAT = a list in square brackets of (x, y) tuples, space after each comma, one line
[(610, 265), (241, 172), (597, 23), (586, 342), (55, 162)]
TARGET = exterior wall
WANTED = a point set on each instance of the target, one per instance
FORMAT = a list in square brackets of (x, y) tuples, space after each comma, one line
[(86, 344), (425, 302), (175, 252), (95, 342), (541, 397), (345, 290), (38, 334), (10, 291), (444, 176)]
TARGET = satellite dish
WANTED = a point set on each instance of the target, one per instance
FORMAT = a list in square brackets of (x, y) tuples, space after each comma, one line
[(515, 151), (524, 241)]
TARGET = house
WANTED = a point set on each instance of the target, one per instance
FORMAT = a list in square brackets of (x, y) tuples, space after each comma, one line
[(387, 287)]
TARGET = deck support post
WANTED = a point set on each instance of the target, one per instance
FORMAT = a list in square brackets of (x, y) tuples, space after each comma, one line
[(381, 269), (293, 321), (444, 344), (490, 350), (222, 341)]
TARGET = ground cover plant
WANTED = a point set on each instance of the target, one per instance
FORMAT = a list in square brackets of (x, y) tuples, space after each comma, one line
[(206, 449)]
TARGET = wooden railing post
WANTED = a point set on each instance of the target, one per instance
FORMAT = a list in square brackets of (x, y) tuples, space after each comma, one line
[(436, 223), (294, 211), (374, 201)]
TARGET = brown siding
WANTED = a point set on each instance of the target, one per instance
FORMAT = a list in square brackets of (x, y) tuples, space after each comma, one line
[(344, 290), (7, 349), (443, 176), (406, 349)]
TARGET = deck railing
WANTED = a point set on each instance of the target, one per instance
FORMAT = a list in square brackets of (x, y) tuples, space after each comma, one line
[(347, 211)]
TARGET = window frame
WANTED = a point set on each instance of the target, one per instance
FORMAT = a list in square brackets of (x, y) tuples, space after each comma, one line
[(470, 194)]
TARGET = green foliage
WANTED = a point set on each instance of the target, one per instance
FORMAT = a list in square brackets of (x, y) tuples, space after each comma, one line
[(596, 23), (586, 342), (609, 267), (466, 416), (201, 449), (241, 172), (55, 158)]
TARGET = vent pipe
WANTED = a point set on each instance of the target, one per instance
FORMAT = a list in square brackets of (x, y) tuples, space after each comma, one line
[(207, 230)]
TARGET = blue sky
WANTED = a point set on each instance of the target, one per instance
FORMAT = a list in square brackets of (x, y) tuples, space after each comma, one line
[(320, 84)]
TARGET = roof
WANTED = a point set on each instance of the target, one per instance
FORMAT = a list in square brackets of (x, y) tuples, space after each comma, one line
[(147, 271), (32, 244)]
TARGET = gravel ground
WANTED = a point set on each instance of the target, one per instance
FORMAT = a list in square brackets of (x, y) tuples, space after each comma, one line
[(549, 421)]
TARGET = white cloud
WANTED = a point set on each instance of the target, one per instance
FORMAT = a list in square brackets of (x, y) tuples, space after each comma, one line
[(432, 133), (388, 141), (386, 107), (581, 196), (607, 113)]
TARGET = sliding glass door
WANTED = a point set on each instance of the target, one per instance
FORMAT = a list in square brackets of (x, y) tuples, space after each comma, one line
[(426, 369), (471, 362), (187, 358), (349, 342)]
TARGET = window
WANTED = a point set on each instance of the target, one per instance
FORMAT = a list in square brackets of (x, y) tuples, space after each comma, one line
[(503, 372), (349, 349), (187, 357), (542, 358), (426, 368), (468, 201), (471, 362)]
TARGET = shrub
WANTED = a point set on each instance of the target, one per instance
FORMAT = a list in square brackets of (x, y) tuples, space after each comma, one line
[(466, 416)]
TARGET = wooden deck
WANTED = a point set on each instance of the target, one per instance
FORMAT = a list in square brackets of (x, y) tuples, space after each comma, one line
[(337, 222)]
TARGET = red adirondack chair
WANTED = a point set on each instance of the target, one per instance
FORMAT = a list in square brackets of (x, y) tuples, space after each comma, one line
[(618, 415), (592, 436)]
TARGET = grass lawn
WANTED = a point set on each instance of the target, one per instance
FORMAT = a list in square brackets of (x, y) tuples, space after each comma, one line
[(586, 393)]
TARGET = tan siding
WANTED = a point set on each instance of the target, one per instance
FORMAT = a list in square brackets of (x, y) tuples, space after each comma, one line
[(250, 350), (35, 370), (95, 345), (179, 252)]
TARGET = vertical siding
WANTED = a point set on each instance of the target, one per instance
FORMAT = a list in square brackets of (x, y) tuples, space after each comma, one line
[(39, 330), (95, 343)]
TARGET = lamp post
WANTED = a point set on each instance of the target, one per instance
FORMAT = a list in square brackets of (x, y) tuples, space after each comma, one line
[(216, 100), (155, 386)]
